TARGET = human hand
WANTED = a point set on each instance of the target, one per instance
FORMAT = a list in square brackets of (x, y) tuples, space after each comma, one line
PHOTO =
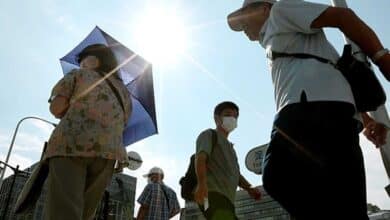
[(201, 192), (254, 193), (384, 66), (118, 169), (59, 106), (376, 133)]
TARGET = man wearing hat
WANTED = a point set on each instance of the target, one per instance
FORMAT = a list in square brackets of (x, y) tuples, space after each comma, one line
[(314, 165), (158, 201)]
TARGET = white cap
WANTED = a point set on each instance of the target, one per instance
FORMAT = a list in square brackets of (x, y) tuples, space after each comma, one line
[(154, 170), (233, 18)]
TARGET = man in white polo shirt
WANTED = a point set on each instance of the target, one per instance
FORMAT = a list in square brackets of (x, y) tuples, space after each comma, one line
[(314, 166)]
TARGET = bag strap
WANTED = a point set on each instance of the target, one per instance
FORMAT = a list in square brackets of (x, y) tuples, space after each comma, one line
[(214, 139), (166, 197), (299, 147), (274, 55), (116, 93)]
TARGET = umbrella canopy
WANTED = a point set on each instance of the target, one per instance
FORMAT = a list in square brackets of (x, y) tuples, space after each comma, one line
[(137, 77)]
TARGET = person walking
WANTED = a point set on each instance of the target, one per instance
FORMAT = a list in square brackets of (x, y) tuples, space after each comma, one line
[(314, 165), (84, 147), (158, 201), (217, 169)]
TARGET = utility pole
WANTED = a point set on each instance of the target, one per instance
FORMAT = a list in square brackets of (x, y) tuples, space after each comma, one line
[(380, 115)]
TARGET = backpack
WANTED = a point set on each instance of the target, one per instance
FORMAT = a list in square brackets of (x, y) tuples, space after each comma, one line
[(189, 181)]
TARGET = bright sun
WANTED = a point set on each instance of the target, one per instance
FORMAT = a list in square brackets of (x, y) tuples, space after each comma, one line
[(161, 35)]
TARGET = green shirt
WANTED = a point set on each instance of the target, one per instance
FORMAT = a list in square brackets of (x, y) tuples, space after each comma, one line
[(93, 125), (223, 171)]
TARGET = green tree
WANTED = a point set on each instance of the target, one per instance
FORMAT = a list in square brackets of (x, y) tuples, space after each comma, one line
[(371, 208)]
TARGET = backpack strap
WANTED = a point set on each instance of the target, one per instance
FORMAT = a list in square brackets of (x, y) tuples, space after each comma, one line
[(166, 197), (214, 139)]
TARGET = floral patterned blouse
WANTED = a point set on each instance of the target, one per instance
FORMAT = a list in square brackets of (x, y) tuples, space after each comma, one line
[(92, 125)]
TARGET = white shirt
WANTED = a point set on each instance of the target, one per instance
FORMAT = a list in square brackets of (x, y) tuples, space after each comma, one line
[(288, 30)]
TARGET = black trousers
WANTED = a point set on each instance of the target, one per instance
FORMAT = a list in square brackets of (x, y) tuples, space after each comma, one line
[(325, 179)]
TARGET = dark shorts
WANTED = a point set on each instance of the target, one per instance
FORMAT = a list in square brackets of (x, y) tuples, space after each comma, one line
[(325, 179)]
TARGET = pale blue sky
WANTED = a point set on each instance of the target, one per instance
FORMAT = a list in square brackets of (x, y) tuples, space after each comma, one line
[(217, 65)]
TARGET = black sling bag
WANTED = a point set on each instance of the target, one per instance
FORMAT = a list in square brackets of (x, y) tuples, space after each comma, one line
[(366, 88)]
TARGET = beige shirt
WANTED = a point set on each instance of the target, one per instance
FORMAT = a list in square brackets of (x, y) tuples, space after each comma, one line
[(93, 125)]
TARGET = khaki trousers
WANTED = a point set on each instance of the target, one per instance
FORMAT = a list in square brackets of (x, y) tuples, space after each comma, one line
[(76, 186)]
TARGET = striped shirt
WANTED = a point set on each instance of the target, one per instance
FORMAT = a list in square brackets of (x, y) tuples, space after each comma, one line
[(154, 197)]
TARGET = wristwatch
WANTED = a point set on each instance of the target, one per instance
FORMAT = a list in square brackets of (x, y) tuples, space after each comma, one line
[(379, 54), (51, 98)]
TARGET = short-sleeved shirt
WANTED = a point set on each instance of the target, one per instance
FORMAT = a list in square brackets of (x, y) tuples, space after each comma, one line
[(223, 171), (153, 196), (288, 30), (93, 125)]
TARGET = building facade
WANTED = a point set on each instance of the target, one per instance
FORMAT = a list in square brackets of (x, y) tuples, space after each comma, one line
[(118, 199), (9, 192), (380, 215), (117, 203), (246, 208), (265, 209)]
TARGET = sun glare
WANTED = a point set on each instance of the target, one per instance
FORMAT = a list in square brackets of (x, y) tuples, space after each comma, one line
[(162, 35)]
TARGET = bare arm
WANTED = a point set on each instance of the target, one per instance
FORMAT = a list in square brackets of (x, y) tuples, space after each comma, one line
[(374, 131), (366, 118), (352, 26), (201, 191), (142, 212), (59, 105), (200, 168), (252, 191), (243, 183), (356, 30)]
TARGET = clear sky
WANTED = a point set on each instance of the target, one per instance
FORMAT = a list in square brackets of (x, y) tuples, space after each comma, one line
[(197, 61)]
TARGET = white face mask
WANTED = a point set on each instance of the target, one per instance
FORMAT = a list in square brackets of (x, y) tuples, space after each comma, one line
[(229, 123)]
